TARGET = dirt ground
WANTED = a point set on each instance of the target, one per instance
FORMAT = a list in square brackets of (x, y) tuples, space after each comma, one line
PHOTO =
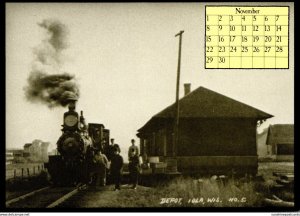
[(127, 197), (105, 197)]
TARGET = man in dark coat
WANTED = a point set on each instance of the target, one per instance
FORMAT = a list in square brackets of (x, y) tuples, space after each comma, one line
[(90, 154), (110, 150), (134, 168), (116, 168)]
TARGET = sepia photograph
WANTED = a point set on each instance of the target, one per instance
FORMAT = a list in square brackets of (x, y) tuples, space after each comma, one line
[(149, 105)]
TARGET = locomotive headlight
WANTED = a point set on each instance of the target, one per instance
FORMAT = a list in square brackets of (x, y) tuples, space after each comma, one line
[(71, 120)]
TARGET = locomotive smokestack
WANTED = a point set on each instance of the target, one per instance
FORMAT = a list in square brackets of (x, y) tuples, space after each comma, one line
[(72, 103)]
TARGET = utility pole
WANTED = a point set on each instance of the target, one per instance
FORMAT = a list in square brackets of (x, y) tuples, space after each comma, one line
[(176, 129)]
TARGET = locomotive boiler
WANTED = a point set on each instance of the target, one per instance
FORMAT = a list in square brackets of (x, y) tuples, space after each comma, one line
[(71, 165)]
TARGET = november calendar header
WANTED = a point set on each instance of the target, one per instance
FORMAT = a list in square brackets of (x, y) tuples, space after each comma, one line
[(234, 10)]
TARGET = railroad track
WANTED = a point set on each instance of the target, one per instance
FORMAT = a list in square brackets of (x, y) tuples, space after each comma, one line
[(47, 197)]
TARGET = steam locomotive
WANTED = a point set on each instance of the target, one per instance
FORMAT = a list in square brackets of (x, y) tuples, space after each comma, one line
[(71, 165)]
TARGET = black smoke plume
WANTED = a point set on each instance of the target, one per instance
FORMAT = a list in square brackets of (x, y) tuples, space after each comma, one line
[(47, 83)]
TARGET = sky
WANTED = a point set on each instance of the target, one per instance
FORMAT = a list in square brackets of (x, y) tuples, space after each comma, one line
[(124, 59)]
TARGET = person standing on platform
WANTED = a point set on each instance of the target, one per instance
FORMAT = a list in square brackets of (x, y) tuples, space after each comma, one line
[(101, 163), (116, 146), (116, 168), (134, 168), (90, 155), (97, 139), (134, 163), (104, 146), (133, 150), (110, 149)]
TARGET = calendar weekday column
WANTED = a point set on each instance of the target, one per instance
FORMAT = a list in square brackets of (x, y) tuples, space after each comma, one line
[(246, 43), (212, 41), (258, 53), (281, 42), (270, 56), (223, 41), (235, 48)]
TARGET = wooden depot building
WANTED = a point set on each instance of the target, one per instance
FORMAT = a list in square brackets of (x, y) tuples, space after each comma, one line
[(216, 134), (280, 140)]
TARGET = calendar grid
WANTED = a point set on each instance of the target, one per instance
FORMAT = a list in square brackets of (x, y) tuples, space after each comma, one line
[(246, 41)]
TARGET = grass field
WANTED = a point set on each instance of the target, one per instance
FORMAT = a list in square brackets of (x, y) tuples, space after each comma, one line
[(185, 192), (266, 169), (182, 192)]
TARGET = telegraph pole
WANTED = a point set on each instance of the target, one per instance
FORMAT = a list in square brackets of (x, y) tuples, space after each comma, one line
[(176, 129)]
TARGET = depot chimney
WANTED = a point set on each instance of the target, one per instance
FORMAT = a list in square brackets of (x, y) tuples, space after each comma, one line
[(187, 88)]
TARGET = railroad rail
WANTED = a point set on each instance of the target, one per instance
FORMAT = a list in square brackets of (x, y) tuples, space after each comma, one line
[(66, 196), (9, 202), (47, 197)]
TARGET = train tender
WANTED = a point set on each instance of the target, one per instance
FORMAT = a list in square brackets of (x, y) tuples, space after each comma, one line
[(74, 147)]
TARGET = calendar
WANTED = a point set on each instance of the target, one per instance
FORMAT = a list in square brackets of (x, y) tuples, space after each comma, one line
[(246, 37)]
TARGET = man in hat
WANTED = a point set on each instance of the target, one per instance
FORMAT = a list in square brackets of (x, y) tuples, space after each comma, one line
[(110, 149), (109, 152), (116, 168), (133, 150), (134, 163), (134, 169)]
